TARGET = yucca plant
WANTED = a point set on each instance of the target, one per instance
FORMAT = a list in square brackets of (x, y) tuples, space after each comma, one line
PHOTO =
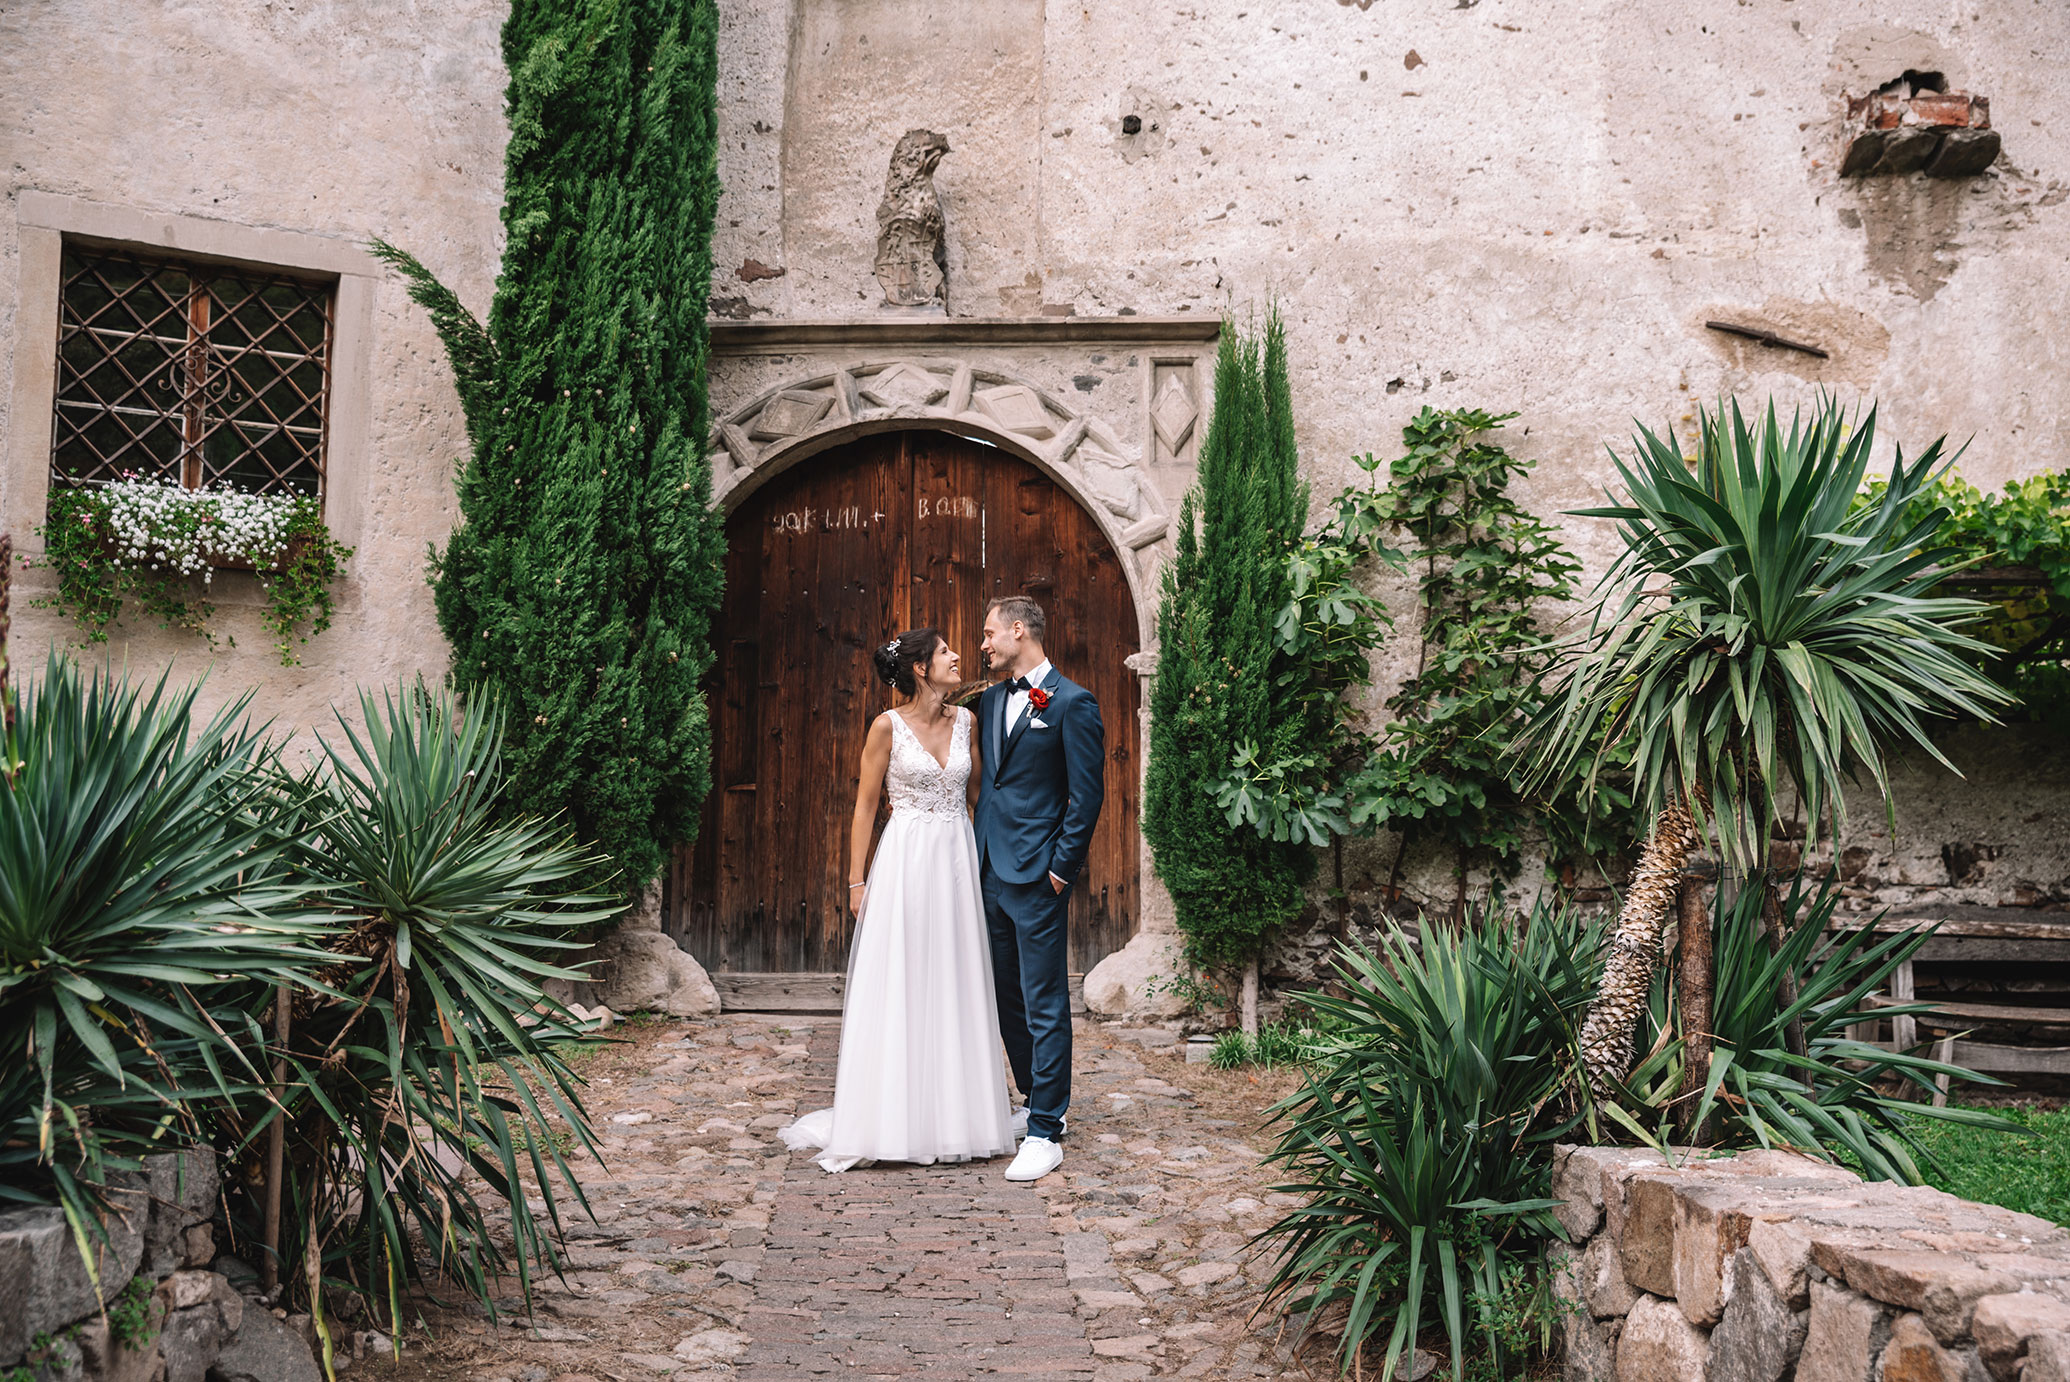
[(1756, 636), (141, 886), (426, 1053), (1834, 1098), (1420, 1140)]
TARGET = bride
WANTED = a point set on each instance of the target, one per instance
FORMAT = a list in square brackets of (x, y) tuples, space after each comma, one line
[(920, 1078)]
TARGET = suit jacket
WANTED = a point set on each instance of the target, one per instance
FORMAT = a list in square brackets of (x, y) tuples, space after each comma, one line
[(1042, 785)]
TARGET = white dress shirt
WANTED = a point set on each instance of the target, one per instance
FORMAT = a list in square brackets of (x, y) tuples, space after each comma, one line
[(1017, 701)]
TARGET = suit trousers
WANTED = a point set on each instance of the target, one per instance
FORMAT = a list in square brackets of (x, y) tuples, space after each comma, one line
[(1031, 967)]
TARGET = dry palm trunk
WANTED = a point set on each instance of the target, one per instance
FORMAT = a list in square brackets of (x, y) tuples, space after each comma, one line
[(1607, 1032)]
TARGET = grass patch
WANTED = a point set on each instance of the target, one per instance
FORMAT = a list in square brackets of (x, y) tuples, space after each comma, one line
[(2028, 1173)]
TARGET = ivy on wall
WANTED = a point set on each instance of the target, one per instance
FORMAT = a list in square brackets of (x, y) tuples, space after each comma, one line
[(579, 590)]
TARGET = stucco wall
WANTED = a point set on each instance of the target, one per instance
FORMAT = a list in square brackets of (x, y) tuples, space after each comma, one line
[(334, 122), (1507, 206), (1529, 207)]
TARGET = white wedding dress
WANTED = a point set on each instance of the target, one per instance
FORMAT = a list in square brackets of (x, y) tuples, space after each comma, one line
[(921, 1078)]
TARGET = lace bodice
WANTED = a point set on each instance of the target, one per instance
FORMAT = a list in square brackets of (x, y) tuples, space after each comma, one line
[(916, 782)]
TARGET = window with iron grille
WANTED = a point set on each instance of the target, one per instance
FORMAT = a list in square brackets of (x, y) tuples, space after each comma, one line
[(191, 374)]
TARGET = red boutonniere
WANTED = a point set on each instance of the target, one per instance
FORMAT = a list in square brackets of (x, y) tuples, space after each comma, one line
[(1039, 698)]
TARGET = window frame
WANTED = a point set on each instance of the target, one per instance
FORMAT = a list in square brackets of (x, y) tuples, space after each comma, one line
[(198, 356), (46, 221)]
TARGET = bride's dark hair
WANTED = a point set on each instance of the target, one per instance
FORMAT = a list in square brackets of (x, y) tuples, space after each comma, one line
[(895, 660)]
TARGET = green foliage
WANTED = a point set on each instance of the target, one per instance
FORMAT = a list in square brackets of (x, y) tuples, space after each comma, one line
[(1325, 633), (2031, 1173), (161, 880), (1755, 633), (298, 590), (140, 886), (1445, 767), (1277, 1043), (1197, 991), (133, 1316), (579, 590), (409, 1069), (1221, 678), (106, 554), (1828, 1101), (2028, 625), (1421, 1138)]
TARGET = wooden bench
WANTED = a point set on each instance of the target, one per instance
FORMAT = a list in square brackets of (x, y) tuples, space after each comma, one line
[(1975, 935)]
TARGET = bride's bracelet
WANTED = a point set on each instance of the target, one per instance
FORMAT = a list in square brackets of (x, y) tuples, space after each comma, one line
[(853, 886)]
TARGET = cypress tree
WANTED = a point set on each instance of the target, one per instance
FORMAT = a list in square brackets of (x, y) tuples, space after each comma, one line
[(1219, 667), (579, 590)]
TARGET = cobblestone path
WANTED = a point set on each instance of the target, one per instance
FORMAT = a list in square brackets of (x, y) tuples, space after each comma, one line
[(717, 1252), (944, 1271)]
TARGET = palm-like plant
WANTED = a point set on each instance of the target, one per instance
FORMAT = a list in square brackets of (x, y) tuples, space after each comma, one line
[(1420, 1139), (428, 1049), (140, 880), (1759, 1086), (1758, 636)]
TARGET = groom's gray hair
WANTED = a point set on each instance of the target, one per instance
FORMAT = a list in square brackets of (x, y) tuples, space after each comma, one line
[(1023, 608)]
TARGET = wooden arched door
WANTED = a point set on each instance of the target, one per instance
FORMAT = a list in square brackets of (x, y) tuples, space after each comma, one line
[(894, 531)]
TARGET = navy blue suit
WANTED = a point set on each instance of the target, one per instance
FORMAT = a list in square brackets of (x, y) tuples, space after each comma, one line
[(1043, 781)]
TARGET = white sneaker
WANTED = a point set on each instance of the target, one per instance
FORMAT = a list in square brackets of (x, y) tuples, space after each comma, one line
[(1037, 1158)]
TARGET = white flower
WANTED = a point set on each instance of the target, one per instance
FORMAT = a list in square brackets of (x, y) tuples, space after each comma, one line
[(183, 530)]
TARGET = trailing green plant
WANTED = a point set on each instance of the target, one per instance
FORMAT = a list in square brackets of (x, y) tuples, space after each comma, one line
[(424, 1057), (1421, 1138), (2027, 620), (1222, 679), (1760, 631), (1837, 1098), (144, 542), (579, 589), (142, 887)]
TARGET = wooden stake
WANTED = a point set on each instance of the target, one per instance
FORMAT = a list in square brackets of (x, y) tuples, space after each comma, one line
[(1250, 1000), (276, 1143)]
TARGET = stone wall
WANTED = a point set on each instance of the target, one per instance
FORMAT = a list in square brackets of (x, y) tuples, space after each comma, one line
[(201, 1319), (1769, 1266)]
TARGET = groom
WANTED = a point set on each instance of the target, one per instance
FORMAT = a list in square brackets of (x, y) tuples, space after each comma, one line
[(1043, 781)]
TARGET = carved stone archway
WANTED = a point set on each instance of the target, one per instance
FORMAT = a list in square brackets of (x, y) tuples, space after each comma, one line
[(786, 425), (781, 427)]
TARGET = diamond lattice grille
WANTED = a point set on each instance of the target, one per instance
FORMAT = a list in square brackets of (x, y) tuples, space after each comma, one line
[(191, 373)]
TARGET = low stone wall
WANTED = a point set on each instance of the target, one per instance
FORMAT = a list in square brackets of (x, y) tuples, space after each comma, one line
[(1769, 1266), (196, 1323)]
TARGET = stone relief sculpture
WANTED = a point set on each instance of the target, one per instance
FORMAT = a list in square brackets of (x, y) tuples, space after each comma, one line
[(912, 264)]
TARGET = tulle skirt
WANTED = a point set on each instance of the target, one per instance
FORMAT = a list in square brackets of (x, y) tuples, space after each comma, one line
[(921, 1077)]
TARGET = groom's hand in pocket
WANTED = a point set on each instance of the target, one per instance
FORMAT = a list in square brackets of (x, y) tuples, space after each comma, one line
[(1056, 884)]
